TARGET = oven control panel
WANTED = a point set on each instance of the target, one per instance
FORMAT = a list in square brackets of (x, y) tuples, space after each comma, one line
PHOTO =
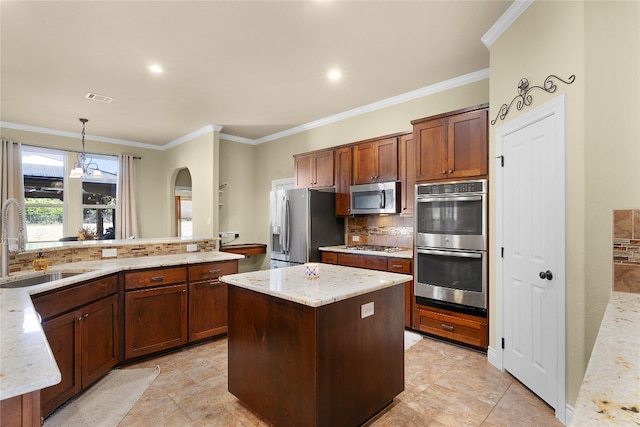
[(459, 187)]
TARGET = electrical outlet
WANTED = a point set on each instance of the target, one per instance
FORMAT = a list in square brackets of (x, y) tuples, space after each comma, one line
[(192, 247), (366, 310), (109, 253), (355, 238)]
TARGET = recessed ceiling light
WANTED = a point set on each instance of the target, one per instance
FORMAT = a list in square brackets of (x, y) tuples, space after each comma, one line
[(155, 68), (334, 75)]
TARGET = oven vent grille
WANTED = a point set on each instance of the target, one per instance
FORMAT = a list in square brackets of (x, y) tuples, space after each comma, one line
[(96, 97)]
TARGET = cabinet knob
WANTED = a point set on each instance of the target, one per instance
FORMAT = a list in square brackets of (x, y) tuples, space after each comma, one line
[(444, 172), (450, 170)]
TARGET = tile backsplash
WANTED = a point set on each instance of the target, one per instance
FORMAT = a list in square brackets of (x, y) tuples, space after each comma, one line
[(384, 230), (626, 250)]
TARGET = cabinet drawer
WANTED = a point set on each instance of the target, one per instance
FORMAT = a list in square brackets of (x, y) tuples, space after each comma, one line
[(156, 277), (60, 301), (397, 265), (212, 270), (363, 261), (465, 330), (329, 257)]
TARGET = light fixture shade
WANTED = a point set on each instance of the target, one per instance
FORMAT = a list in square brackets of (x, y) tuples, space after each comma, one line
[(76, 172)]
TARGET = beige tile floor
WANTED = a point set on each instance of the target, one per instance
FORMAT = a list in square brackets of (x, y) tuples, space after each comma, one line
[(445, 385)]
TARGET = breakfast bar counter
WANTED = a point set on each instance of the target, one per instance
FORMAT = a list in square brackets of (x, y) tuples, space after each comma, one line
[(323, 351)]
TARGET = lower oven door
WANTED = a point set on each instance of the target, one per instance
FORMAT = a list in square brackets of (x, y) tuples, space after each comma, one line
[(458, 277)]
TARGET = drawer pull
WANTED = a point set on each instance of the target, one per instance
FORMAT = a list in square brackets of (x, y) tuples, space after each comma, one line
[(447, 327), (214, 282), (157, 278), (396, 266), (214, 271)]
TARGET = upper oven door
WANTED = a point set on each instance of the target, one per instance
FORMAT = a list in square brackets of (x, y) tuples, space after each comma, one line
[(452, 221)]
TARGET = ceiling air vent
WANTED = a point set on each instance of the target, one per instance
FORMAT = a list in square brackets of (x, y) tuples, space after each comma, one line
[(97, 97)]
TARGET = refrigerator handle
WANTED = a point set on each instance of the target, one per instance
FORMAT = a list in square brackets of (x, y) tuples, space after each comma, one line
[(286, 226)]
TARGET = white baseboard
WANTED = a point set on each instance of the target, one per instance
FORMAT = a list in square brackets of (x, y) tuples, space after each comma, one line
[(492, 356), (568, 414)]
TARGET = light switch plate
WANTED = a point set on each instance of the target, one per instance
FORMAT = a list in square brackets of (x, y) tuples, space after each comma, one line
[(366, 310), (109, 253), (192, 247)]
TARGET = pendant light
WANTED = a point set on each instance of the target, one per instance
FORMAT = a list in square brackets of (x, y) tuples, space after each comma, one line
[(85, 165)]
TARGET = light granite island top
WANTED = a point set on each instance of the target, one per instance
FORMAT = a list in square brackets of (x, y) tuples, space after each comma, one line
[(334, 283), (610, 391), (26, 361)]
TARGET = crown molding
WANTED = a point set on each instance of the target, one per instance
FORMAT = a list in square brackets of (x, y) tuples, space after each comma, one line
[(508, 17), (192, 135), (49, 131), (399, 99), (240, 139)]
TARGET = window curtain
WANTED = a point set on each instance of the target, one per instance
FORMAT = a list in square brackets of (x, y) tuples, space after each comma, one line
[(126, 217), (12, 186)]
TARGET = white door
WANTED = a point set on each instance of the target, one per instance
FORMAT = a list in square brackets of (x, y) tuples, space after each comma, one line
[(532, 220)]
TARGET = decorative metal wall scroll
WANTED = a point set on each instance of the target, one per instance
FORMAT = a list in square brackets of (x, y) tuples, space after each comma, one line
[(524, 98)]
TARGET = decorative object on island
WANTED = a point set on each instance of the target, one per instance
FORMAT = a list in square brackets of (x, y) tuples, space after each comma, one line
[(86, 233), (524, 98), (312, 270), (84, 165)]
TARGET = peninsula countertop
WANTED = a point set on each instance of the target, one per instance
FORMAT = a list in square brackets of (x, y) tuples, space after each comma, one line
[(610, 391), (26, 361), (334, 283)]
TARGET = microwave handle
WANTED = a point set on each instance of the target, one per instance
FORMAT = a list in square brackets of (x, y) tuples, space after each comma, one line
[(449, 253), (383, 202), (449, 199)]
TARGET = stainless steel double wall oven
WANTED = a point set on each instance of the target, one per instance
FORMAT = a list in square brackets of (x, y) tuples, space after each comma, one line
[(451, 242)]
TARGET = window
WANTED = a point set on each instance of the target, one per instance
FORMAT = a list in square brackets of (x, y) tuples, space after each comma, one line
[(43, 171), (99, 198)]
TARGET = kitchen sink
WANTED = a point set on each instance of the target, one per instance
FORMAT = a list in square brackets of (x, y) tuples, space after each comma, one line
[(36, 280)]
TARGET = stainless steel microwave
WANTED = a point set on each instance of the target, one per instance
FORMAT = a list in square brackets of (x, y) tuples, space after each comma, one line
[(379, 198)]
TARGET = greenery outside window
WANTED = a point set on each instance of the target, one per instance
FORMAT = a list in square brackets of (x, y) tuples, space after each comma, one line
[(43, 171)]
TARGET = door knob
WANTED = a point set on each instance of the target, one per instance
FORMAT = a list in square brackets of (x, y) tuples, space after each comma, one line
[(546, 275)]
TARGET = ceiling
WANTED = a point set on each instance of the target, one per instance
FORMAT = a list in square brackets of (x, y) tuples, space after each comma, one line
[(253, 67)]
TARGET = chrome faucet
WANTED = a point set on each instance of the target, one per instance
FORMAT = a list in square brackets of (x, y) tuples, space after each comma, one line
[(5, 238)]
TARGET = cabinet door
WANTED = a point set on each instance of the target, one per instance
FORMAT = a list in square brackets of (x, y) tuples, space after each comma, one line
[(207, 309), (343, 181), (386, 165), (407, 170), (155, 319), (430, 138), (323, 169), (467, 145), (99, 327), (364, 163), (303, 171), (63, 335)]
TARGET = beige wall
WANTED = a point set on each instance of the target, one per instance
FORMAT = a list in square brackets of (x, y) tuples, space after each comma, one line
[(201, 156), (599, 43), (152, 213)]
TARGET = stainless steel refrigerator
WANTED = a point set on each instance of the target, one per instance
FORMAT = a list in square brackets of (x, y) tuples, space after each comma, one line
[(302, 220)]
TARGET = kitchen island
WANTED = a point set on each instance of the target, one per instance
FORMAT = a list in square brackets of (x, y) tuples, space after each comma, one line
[(316, 352)]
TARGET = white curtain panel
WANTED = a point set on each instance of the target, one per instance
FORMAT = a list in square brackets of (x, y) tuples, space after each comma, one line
[(12, 185), (126, 216)]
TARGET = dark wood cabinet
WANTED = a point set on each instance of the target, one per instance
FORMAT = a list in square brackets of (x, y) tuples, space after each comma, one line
[(343, 172), (461, 327), (155, 319), (407, 171), (21, 411), (208, 299), (372, 262), (375, 161), (84, 340), (452, 145), (314, 170)]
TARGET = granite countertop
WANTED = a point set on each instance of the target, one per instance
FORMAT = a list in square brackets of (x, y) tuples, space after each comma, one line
[(610, 391), (26, 361), (334, 283), (408, 253)]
